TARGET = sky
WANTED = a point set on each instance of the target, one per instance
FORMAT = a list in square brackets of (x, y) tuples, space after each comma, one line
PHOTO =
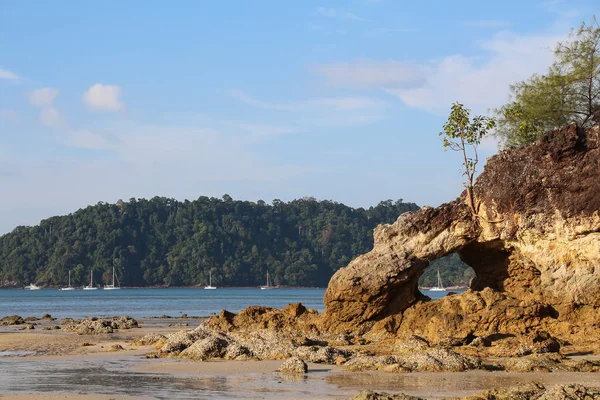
[(340, 100)]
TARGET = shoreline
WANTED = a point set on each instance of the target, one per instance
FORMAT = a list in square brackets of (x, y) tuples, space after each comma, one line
[(81, 367)]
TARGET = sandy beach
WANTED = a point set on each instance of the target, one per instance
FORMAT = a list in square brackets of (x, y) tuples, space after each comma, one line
[(49, 364)]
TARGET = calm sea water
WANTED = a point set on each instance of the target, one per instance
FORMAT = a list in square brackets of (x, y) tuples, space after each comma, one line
[(141, 303)]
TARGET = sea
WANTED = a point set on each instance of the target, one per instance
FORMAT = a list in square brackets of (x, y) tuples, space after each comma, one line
[(155, 302)]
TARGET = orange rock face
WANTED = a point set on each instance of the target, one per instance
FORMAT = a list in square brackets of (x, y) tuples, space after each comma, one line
[(534, 246)]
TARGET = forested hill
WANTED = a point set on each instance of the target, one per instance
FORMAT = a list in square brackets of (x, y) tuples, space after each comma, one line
[(167, 242)]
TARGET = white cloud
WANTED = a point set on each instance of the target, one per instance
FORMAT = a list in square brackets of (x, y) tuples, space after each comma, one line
[(11, 76), (51, 117), (103, 98), (336, 13), (370, 74), (314, 104), (479, 82), (43, 97)]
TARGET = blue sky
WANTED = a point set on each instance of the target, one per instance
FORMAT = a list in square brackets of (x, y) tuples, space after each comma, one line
[(340, 100)]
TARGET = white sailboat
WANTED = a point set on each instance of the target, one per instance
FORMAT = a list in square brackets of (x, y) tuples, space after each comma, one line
[(210, 286), (439, 287), (268, 286), (68, 287), (112, 287), (91, 286), (32, 286)]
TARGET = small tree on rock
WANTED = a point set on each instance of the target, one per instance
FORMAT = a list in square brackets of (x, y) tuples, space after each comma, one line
[(463, 134), (569, 91)]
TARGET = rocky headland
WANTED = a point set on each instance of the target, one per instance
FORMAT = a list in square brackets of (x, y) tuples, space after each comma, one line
[(534, 245)]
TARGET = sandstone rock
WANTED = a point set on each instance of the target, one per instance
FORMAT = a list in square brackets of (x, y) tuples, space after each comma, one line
[(51, 328), (179, 324), (86, 344), (533, 363), (413, 344), (116, 347), (124, 322), (11, 320), (210, 347), (95, 326), (325, 354), (571, 392), (149, 339), (481, 341), (523, 391), (294, 365), (48, 317), (369, 395), (435, 359), (179, 341), (27, 327), (534, 246), (29, 319)]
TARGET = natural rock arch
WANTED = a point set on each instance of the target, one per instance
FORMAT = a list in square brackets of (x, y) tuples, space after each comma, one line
[(535, 250)]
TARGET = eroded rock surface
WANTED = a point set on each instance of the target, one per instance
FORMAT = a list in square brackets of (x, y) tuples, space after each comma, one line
[(535, 249), (97, 326), (524, 391)]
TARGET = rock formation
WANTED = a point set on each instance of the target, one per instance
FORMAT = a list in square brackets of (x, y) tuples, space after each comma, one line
[(293, 365), (534, 246), (523, 391)]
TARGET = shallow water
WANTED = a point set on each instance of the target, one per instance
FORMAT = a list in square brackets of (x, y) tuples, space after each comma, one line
[(141, 303), (117, 376)]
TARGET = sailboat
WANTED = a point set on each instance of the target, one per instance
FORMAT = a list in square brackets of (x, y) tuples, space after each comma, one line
[(439, 287), (91, 286), (268, 285), (210, 286), (32, 286), (112, 287), (68, 287)]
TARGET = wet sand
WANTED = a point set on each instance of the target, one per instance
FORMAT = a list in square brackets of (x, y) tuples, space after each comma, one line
[(54, 365)]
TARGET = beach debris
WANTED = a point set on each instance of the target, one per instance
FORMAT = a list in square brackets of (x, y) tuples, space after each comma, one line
[(116, 347), (179, 324), (27, 327), (11, 320), (86, 344), (293, 365)]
